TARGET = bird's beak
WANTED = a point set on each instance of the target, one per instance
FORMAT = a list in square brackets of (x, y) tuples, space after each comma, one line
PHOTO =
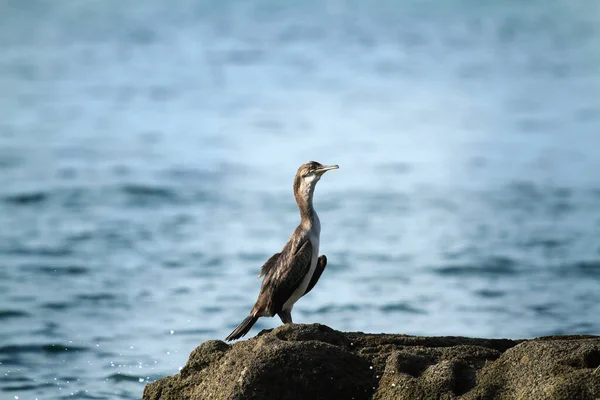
[(325, 168)]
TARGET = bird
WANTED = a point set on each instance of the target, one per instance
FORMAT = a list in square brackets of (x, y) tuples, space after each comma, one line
[(295, 270)]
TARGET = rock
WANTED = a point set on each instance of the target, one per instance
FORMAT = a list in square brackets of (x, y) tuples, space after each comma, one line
[(547, 368), (316, 362)]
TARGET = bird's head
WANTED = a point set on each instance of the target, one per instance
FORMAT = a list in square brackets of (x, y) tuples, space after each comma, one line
[(309, 174)]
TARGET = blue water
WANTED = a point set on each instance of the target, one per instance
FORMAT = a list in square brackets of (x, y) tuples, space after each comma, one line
[(147, 151)]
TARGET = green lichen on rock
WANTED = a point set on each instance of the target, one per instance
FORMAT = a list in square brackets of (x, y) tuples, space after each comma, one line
[(316, 362)]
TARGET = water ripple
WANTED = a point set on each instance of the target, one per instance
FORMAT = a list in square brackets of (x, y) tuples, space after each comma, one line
[(32, 386), (56, 306), (589, 269), (71, 270), (27, 199), (120, 377), (41, 251), (194, 332), (402, 307), (489, 294), (332, 309), (491, 266), (6, 314), (49, 349), (145, 195)]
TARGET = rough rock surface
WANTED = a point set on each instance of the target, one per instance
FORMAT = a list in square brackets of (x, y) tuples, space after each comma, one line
[(315, 362)]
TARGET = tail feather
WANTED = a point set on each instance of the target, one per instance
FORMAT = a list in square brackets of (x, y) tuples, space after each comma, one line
[(242, 328)]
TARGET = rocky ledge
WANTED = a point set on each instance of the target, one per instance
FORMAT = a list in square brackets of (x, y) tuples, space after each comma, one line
[(316, 362)]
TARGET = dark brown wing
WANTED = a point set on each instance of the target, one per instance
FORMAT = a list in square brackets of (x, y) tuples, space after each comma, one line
[(269, 264), (280, 282), (321, 264)]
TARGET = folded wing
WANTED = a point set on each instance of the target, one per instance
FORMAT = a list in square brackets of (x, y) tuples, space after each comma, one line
[(285, 276), (270, 264), (321, 264)]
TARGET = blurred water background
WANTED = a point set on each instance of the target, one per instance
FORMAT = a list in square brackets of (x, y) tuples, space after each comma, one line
[(147, 151)]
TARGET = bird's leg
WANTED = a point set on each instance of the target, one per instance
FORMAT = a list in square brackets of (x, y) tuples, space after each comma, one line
[(286, 316)]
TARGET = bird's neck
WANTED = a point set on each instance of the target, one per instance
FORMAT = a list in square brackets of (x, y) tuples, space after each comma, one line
[(304, 198)]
